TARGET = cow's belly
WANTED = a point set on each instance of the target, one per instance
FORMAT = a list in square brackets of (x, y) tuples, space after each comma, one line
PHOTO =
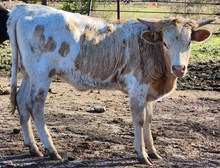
[(85, 82)]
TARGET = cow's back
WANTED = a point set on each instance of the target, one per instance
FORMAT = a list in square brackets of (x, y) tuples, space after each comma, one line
[(80, 49)]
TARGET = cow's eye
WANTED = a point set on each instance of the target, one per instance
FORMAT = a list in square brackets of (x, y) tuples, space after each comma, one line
[(165, 45)]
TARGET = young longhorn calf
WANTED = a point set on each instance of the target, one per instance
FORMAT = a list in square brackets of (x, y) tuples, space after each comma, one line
[(91, 54)]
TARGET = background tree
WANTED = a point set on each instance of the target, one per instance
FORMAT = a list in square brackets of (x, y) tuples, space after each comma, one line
[(81, 7)]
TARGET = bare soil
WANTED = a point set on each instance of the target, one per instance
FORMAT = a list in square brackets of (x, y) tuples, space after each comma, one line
[(202, 76), (186, 129)]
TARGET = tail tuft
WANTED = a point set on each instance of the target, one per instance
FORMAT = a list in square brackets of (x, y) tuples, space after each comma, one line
[(13, 98)]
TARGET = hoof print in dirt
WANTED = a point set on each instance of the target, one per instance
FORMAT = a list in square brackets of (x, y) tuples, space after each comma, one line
[(97, 109)]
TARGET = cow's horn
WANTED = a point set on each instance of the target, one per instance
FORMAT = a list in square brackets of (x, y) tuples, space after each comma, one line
[(205, 22), (152, 24)]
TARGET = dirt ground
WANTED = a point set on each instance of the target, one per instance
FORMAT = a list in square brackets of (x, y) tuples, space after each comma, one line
[(186, 129)]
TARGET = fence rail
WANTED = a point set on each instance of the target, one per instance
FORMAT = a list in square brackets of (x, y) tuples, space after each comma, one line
[(184, 4), (183, 8), (181, 13)]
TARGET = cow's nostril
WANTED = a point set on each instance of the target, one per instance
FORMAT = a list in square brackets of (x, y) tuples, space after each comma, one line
[(178, 67), (183, 67), (179, 70)]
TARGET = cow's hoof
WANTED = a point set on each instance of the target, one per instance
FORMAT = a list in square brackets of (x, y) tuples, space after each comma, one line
[(146, 161), (154, 156), (36, 153), (55, 156)]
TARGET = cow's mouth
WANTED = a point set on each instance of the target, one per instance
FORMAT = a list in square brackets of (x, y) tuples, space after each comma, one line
[(179, 74)]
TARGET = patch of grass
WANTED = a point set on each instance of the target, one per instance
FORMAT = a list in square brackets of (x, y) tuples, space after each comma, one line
[(5, 58), (206, 51)]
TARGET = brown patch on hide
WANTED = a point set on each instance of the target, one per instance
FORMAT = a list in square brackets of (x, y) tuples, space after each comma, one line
[(142, 123), (161, 86), (64, 49), (193, 24), (50, 45), (38, 41), (38, 34), (88, 33), (164, 84), (40, 95), (161, 79), (39, 29), (71, 25), (39, 44), (101, 54), (133, 63), (186, 23), (178, 21), (110, 28), (52, 73)]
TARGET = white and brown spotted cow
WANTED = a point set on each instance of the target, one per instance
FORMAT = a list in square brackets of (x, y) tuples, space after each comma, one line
[(141, 58)]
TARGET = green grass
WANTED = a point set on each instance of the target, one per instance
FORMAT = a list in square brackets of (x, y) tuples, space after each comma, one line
[(5, 58), (206, 51)]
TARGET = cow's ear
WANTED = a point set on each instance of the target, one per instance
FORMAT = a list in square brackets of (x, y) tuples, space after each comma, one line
[(151, 37), (200, 35)]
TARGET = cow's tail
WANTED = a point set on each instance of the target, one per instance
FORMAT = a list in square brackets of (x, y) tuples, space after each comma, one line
[(11, 28)]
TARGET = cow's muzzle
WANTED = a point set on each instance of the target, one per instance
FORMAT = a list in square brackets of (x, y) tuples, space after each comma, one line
[(179, 70)]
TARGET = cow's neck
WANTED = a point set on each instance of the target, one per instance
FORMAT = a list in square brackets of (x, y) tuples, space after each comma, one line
[(156, 69)]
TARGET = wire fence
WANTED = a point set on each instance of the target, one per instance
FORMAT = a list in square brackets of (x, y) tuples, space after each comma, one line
[(167, 8), (161, 9), (128, 9), (185, 8)]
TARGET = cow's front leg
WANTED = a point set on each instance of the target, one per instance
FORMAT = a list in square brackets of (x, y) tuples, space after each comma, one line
[(137, 98), (148, 139), (138, 118)]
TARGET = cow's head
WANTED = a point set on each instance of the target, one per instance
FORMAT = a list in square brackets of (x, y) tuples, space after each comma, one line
[(176, 36), (3, 21)]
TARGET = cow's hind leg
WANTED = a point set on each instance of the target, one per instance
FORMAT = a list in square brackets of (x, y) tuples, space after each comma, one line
[(148, 139), (23, 104), (39, 90)]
